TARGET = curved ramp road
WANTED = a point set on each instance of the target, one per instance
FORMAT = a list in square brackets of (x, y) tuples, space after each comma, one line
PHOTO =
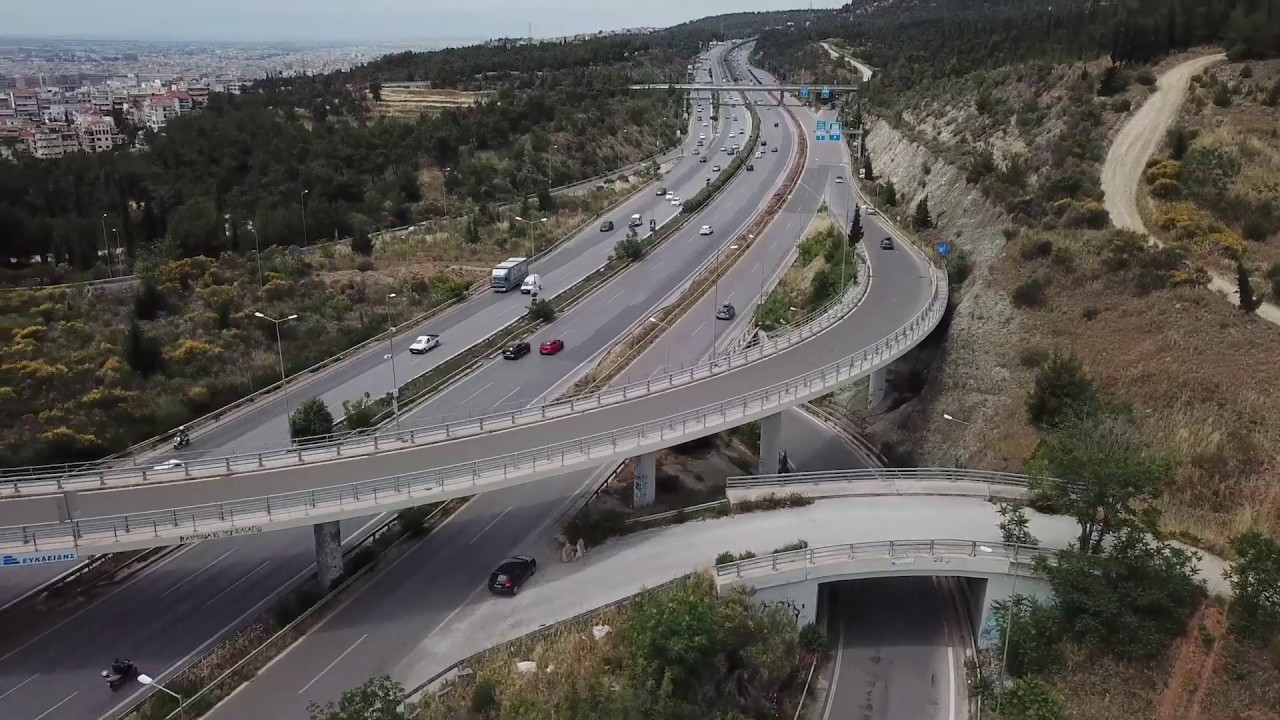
[(168, 612)]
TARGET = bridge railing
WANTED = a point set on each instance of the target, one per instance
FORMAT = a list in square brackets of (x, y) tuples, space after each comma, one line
[(784, 480), (473, 476), (889, 549), (459, 425)]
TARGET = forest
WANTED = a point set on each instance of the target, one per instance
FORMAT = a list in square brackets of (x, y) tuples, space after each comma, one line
[(914, 42), (232, 177)]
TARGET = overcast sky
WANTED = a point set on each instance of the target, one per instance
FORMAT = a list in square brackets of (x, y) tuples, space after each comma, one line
[(360, 20)]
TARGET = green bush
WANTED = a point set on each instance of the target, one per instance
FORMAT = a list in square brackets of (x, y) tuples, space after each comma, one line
[(358, 414), (1166, 189), (1032, 356), (542, 311), (1061, 389), (812, 638), (1030, 293), (630, 249), (311, 422), (791, 547)]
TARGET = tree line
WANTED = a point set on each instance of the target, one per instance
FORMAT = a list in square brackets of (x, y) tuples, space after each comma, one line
[(232, 178)]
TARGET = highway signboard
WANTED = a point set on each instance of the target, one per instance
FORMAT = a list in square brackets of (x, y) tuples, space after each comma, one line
[(944, 249), (37, 558), (826, 93), (804, 91), (835, 131)]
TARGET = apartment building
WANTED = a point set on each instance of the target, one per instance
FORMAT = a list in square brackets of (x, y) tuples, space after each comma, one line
[(158, 110), (26, 103), (96, 133), (51, 141)]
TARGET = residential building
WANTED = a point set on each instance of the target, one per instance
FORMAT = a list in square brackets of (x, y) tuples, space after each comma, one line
[(160, 109), (96, 133), (51, 141), (26, 103)]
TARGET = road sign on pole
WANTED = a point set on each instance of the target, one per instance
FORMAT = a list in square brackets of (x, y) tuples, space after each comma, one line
[(820, 137), (804, 91), (944, 249), (826, 93), (835, 131)]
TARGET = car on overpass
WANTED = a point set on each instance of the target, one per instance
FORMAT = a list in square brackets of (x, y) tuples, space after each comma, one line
[(513, 572), (424, 344)]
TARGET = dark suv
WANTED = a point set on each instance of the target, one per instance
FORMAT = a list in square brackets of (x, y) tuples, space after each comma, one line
[(606, 226), (507, 578), (515, 351)]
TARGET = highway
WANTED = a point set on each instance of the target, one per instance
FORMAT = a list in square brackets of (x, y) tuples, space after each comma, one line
[(443, 576), (899, 652), (167, 612)]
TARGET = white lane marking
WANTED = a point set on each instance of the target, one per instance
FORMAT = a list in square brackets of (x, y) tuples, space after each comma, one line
[(92, 605), (486, 527), (835, 674), (15, 687), (615, 297), (233, 585), (505, 397), (951, 682), (756, 269), (335, 662), (695, 332), (192, 576), (55, 707), (472, 395)]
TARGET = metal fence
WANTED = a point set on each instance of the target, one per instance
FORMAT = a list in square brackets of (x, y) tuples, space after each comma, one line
[(790, 481), (808, 557)]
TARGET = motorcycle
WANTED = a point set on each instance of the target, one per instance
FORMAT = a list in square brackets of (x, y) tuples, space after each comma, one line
[(181, 441), (119, 675)]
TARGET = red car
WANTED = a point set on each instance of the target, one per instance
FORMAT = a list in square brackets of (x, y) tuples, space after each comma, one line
[(551, 347)]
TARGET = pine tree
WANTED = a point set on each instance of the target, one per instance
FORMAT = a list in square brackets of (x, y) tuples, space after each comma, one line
[(311, 421), (1248, 301), (922, 219), (855, 227), (866, 167)]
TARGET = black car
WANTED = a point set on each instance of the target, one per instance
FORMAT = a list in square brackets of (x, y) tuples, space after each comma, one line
[(606, 226), (886, 244), (511, 574), (515, 351), (775, 124), (726, 312), (750, 166)]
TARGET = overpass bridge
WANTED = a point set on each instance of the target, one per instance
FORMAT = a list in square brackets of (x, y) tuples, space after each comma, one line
[(989, 572)]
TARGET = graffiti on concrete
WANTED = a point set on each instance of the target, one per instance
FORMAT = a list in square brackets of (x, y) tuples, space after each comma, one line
[(787, 606), (989, 635)]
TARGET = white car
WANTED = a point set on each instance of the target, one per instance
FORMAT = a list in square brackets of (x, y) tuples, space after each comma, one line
[(704, 230), (675, 201), (839, 180), (170, 465), (424, 343), (724, 148), (867, 209), (706, 125), (732, 136)]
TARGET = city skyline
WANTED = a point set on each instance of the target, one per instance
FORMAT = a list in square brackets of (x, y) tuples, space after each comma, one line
[(313, 21)]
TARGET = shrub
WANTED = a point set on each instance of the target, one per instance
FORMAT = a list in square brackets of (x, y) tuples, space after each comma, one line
[(791, 547), (1032, 249), (1032, 357), (365, 264), (959, 267), (359, 414), (1166, 189), (772, 502), (1061, 389), (630, 249), (484, 698), (1145, 77), (362, 244), (311, 421), (359, 560), (1029, 293), (542, 311), (1121, 105), (595, 526), (812, 638)]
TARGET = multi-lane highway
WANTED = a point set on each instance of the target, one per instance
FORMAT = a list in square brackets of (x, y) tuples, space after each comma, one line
[(442, 576), (169, 611)]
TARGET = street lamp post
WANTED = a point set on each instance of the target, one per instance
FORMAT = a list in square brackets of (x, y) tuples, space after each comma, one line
[(105, 245), (303, 197), (284, 381), (666, 341), (119, 252), (391, 350), (529, 231), (149, 681), (444, 191)]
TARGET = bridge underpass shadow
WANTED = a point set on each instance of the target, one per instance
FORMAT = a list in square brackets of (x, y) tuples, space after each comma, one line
[(891, 637)]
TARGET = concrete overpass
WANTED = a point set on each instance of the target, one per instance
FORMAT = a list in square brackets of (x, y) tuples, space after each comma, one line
[(992, 571)]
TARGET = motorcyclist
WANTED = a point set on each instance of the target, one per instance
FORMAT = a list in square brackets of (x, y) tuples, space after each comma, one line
[(183, 437)]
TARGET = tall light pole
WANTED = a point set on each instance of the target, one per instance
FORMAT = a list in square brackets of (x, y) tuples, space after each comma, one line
[(145, 679), (105, 245), (284, 380), (666, 341), (391, 353), (119, 252), (444, 191), (303, 197), (529, 231)]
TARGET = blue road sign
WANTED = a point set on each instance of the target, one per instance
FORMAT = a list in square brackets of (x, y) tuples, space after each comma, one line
[(826, 93), (822, 125), (820, 137), (37, 558), (944, 249), (804, 91), (835, 131)]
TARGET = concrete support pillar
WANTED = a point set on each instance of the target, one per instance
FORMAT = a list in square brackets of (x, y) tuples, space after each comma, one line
[(877, 388), (770, 443), (328, 553), (646, 482)]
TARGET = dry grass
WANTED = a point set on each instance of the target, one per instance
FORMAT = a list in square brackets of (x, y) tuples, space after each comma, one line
[(405, 102), (1187, 363)]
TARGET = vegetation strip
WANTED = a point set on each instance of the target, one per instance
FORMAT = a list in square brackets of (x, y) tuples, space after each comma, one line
[(238, 659), (629, 348)]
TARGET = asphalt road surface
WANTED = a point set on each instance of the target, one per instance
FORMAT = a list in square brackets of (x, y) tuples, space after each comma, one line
[(417, 595), (166, 613), (896, 651)]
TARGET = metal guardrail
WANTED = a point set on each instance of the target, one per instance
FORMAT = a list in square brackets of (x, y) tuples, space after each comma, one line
[(809, 557), (468, 478), (251, 458), (784, 480)]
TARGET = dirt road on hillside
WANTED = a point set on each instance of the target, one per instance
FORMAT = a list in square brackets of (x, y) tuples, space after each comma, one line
[(1137, 141), (1139, 138)]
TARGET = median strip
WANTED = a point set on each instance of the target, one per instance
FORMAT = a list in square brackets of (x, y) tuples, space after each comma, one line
[(630, 347)]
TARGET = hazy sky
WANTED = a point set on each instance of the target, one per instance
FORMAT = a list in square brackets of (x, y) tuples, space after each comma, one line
[(391, 20)]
